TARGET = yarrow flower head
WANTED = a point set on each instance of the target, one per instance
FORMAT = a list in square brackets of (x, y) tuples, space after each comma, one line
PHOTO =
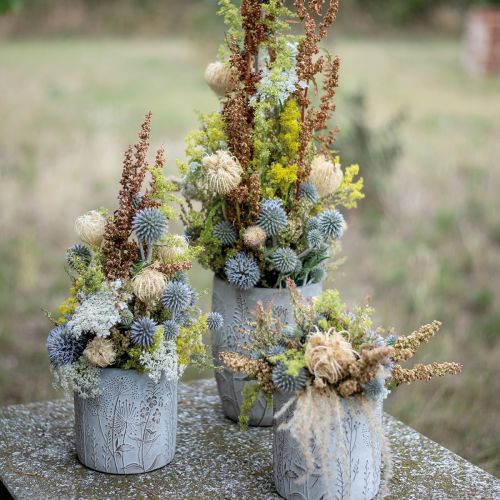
[(225, 233), (242, 271), (142, 332), (287, 383), (170, 329), (149, 225), (78, 255), (285, 260), (63, 347), (177, 297), (308, 192), (223, 172), (315, 238), (215, 321), (272, 217), (331, 223)]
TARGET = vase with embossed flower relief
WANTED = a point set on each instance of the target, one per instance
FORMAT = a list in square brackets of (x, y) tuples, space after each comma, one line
[(235, 306), (130, 427)]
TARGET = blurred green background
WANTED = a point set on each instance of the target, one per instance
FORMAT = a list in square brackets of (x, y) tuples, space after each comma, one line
[(76, 78)]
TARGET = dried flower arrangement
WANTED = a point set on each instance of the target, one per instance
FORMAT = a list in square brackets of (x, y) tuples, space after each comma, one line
[(131, 304), (332, 354), (262, 186)]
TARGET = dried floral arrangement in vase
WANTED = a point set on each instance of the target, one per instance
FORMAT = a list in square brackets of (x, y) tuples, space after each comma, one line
[(130, 325), (264, 190), (328, 376)]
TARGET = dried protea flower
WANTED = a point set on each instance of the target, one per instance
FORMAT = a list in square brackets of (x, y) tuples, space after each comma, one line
[(174, 249), (325, 175), (223, 172), (100, 352), (148, 285), (254, 237), (328, 356), (218, 77), (90, 227)]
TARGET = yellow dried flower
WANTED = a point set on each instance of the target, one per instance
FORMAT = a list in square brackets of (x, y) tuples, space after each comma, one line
[(326, 175), (90, 227), (223, 172), (100, 352), (254, 237), (218, 77), (328, 356), (148, 285)]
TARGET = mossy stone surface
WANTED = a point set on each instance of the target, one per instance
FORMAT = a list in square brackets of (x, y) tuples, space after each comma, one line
[(213, 459)]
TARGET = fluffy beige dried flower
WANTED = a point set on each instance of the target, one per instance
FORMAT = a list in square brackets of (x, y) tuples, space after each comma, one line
[(218, 77), (100, 352), (148, 285), (325, 175), (254, 237), (174, 249), (223, 172), (328, 356), (90, 227)]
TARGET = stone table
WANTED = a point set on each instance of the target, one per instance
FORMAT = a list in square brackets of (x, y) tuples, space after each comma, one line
[(213, 460)]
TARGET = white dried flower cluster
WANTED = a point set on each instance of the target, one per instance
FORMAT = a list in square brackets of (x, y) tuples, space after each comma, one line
[(97, 313), (90, 227), (223, 172), (326, 175), (80, 377), (164, 361), (218, 78)]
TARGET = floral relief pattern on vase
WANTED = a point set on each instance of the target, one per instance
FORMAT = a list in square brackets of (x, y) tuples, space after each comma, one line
[(130, 427), (235, 306), (355, 474)]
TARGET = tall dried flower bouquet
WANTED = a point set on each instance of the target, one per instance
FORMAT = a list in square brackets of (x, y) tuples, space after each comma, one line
[(130, 325)]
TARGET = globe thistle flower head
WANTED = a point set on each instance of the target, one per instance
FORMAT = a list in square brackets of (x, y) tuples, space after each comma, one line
[(391, 339), (272, 217), (275, 350), (287, 383), (127, 317), (331, 224), (177, 297), (242, 271), (170, 329), (254, 237), (315, 239), (291, 332), (223, 172), (317, 274), (225, 233), (63, 347), (285, 260), (309, 192), (215, 321), (142, 332), (326, 175), (78, 255), (90, 227), (312, 224), (373, 389), (149, 225), (181, 278)]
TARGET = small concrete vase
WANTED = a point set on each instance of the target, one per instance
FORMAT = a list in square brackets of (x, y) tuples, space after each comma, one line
[(356, 475), (130, 427), (236, 307)]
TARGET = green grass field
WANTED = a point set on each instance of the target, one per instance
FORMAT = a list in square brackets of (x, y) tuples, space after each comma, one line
[(70, 107)]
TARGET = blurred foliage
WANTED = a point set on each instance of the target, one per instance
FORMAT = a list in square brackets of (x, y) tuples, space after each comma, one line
[(7, 6)]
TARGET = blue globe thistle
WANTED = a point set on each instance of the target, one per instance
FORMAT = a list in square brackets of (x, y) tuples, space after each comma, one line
[(242, 271), (170, 329), (373, 389), (142, 332), (391, 340), (331, 223), (272, 217), (149, 225), (287, 383), (77, 255), (275, 350), (225, 233), (312, 224), (181, 278), (127, 317), (63, 347), (177, 297), (317, 274), (183, 318), (291, 332), (215, 321), (315, 239), (309, 192), (137, 200), (285, 260)]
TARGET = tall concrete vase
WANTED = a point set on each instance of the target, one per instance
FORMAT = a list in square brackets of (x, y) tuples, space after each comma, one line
[(356, 475), (131, 427), (236, 307)]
